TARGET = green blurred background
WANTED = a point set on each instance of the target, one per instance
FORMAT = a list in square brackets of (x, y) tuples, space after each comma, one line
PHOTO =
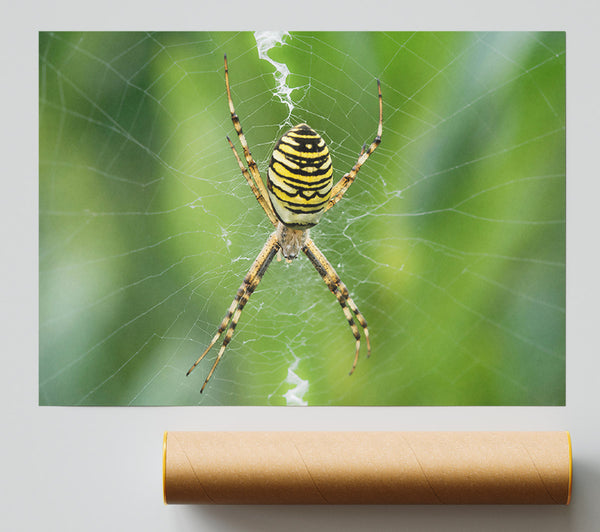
[(451, 240)]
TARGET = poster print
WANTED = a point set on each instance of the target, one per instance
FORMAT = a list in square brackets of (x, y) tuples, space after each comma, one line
[(450, 240)]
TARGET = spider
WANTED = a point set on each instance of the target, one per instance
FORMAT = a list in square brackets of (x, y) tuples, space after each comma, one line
[(299, 191)]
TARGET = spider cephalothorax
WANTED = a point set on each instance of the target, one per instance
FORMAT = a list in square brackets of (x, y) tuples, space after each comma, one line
[(291, 240), (299, 190)]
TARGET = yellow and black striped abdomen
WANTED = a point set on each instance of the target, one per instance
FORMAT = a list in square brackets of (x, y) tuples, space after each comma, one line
[(300, 177)]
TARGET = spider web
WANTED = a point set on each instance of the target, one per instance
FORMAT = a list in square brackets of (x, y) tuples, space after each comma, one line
[(451, 240)]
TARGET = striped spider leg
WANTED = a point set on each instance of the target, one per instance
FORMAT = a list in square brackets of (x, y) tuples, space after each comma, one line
[(244, 292), (344, 183), (340, 291), (299, 190), (256, 183)]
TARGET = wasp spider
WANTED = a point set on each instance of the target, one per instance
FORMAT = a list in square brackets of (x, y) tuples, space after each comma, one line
[(299, 190)]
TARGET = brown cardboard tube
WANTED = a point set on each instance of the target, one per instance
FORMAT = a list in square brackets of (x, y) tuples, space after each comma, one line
[(367, 467)]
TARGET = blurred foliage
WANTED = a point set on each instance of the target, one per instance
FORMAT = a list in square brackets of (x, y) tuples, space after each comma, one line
[(451, 241)]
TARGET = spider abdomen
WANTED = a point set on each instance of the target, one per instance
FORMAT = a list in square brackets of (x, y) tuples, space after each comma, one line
[(300, 177)]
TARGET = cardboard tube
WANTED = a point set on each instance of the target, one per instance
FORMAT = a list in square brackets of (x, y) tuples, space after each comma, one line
[(367, 467)]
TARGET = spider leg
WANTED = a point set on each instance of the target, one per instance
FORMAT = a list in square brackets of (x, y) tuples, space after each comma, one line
[(344, 183), (259, 196), (231, 318), (252, 167), (340, 291)]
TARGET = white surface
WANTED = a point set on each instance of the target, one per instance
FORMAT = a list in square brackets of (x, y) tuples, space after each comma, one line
[(100, 468)]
